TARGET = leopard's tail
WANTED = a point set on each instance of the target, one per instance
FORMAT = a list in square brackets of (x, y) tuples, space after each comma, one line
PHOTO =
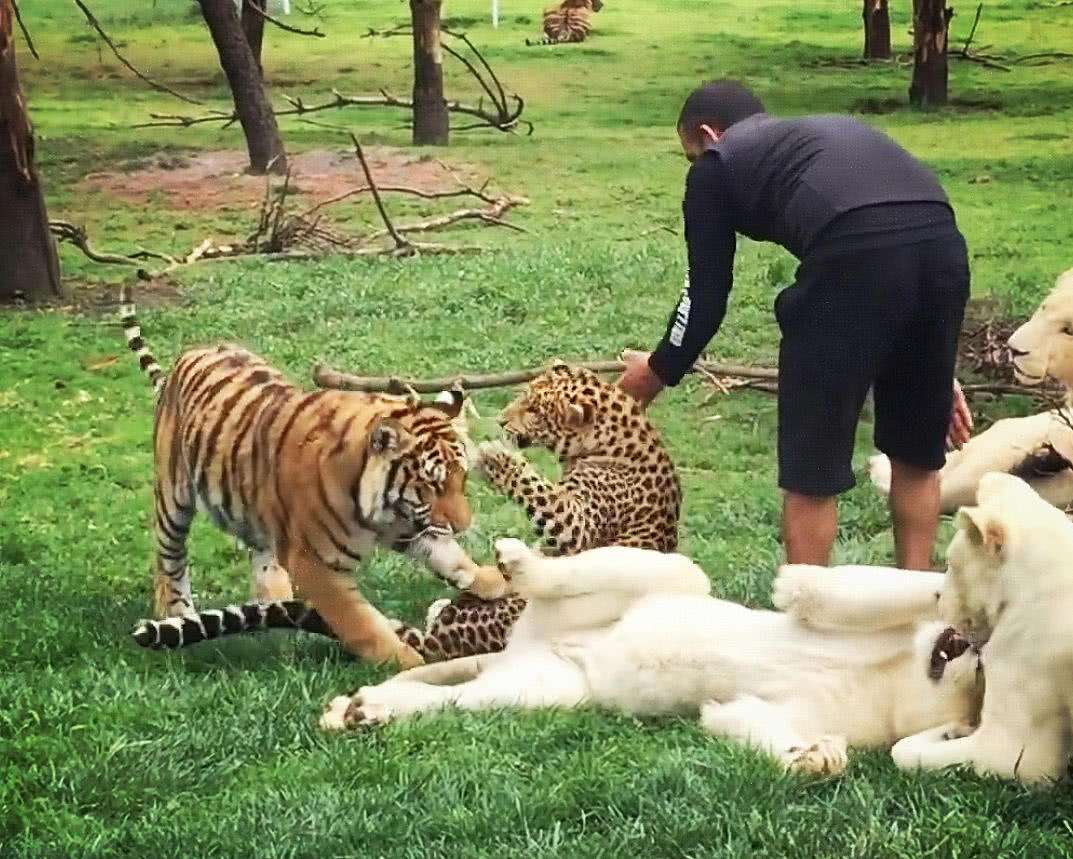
[(133, 332), (175, 632)]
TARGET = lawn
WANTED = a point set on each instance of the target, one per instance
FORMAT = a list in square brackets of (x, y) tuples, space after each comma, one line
[(109, 751)]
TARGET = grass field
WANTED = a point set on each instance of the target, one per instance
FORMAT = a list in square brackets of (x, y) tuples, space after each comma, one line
[(108, 751)]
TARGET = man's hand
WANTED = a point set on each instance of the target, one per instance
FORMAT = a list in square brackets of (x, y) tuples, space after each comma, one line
[(960, 420), (638, 380)]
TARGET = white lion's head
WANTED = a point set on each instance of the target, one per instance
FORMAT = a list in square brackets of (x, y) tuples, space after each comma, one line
[(1043, 346), (1011, 541)]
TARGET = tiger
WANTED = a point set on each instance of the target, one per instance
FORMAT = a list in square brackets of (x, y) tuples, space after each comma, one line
[(619, 486), (311, 482), (570, 21)]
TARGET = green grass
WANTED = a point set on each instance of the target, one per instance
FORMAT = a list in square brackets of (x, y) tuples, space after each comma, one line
[(109, 751)]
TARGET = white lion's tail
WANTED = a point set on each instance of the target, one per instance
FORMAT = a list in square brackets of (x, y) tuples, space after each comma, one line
[(879, 472)]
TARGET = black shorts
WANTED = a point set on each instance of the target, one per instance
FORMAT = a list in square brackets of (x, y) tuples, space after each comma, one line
[(884, 318)]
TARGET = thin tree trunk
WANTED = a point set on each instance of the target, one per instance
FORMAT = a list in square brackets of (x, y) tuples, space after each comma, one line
[(931, 27), (431, 121), (253, 26), (251, 104), (29, 267), (876, 30)]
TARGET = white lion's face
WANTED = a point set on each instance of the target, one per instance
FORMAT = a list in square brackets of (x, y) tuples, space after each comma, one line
[(971, 579), (1043, 346)]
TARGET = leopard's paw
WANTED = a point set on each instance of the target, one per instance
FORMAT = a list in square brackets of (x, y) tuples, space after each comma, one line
[(495, 460)]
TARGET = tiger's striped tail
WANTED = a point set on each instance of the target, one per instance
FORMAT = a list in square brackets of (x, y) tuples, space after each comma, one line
[(133, 332), (175, 632)]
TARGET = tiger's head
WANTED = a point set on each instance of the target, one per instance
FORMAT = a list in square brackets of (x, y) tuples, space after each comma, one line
[(569, 410), (421, 450)]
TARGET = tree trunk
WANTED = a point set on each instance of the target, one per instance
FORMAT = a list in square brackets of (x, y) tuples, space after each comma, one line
[(253, 26), (251, 104), (931, 26), (431, 121), (876, 30), (29, 267)]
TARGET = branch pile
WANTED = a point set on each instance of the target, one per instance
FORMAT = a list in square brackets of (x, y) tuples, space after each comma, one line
[(1002, 62), (283, 234)]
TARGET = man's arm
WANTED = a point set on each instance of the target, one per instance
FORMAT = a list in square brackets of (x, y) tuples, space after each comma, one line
[(710, 244)]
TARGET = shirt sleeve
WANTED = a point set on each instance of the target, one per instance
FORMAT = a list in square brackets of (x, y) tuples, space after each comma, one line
[(710, 242)]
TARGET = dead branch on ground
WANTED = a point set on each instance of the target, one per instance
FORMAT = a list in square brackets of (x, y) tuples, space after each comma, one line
[(504, 115), (95, 24), (1001, 62), (328, 378), (64, 231), (25, 32), (260, 10)]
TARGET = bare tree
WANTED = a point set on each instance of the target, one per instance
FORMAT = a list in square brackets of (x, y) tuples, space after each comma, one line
[(243, 75), (931, 29), (876, 30), (29, 267), (432, 122)]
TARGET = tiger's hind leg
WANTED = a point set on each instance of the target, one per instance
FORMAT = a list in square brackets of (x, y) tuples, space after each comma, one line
[(174, 511), (271, 582)]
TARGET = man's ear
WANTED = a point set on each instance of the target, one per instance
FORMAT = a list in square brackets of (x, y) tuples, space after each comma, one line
[(983, 529), (578, 415), (389, 437)]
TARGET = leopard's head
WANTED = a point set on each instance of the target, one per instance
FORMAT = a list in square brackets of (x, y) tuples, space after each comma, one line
[(568, 410)]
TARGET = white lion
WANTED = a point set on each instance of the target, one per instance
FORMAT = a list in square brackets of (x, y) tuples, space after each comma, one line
[(856, 657), (1038, 448), (1010, 583)]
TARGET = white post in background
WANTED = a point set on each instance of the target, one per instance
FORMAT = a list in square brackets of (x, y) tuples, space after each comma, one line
[(495, 14)]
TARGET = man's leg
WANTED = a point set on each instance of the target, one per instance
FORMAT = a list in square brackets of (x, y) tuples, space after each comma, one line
[(914, 509), (809, 527)]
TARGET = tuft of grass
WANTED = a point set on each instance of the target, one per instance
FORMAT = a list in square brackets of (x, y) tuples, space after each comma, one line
[(110, 751)]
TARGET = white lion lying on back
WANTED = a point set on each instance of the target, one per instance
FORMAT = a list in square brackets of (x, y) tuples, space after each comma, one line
[(1038, 448), (856, 657), (1010, 582)]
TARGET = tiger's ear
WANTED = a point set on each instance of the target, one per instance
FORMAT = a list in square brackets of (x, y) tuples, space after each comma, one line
[(451, 402), (389, 437), (578, 415)]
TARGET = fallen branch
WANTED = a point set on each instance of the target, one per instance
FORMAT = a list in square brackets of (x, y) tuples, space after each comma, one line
[(25, 32), (997, 61), (401, 244), (287, 27), (64, 231), (95, 24), (328, 378)]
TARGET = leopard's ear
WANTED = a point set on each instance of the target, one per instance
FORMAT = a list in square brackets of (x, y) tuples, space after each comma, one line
[(558, 365)]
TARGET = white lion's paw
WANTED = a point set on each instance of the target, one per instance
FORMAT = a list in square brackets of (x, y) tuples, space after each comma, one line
[(513, 557), (906, 754), (879, 472), (793, 590), (957, 730), (334, 716), (361, 714), (827, 756)]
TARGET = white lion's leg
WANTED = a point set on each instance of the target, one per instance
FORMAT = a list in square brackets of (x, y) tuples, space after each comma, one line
[(857, 598), (621, 569), (767, 728), (270, 581)]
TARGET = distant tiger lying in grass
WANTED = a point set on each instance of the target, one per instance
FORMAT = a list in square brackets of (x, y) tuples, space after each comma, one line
[(570, 21), (311, 482)]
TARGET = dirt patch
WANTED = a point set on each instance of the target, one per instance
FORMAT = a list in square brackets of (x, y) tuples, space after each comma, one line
[(216, 179), (98, 300), (880, 106)]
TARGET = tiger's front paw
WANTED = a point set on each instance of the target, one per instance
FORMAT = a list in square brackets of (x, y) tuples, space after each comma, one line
[(496, 461)]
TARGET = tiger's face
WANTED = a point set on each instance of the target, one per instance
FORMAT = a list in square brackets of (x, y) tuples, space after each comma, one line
[(425, 469), (555, 411)]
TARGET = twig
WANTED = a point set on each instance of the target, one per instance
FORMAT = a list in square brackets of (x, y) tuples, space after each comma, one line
[(400, 242), (492, 216), (328, 378), (95, 24), (25, 32), (658, 229), (275, 21), (972, 32)]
